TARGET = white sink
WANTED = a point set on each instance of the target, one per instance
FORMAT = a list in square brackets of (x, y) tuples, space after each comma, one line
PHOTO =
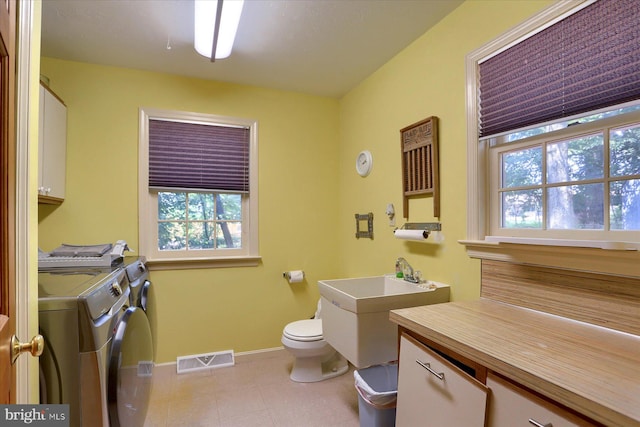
[(355, 314), (378, 293)]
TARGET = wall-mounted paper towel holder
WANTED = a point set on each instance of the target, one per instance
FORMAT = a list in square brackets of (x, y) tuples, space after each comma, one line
[(425, 227)]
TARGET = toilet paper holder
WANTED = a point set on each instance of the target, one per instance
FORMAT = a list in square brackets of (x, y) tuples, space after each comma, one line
[(294, 276)]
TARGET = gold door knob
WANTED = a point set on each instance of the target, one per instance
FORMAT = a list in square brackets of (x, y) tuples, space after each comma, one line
[(35, 347)]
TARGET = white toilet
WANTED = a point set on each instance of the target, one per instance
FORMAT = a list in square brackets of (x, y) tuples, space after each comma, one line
[(315, 360)]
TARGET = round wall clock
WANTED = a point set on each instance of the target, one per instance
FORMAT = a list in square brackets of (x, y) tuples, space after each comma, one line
[(364, 162)]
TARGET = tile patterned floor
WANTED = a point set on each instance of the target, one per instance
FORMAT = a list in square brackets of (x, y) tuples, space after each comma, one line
[(256, 391)]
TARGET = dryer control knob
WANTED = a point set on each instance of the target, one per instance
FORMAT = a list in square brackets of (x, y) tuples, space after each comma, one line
[(116, 290)]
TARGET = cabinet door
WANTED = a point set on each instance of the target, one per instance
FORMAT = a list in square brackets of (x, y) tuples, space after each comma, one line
[(512, 406), (41, 141), (433, 392), (53, 145)]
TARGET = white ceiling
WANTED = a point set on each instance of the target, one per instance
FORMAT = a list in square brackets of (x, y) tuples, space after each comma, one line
[(320, 47)]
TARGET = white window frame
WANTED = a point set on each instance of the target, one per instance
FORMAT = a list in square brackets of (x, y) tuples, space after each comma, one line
[(248, 255), (597, 238), (591, 255)]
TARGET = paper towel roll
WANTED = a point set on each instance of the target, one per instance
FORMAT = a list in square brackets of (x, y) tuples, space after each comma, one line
[(411, 234), (295, 276)]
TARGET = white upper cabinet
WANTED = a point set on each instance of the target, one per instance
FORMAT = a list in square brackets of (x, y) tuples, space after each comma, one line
[(52, 148)]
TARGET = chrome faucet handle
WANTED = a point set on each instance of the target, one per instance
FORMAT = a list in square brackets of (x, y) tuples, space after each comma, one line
[(407, 271), (418, 276)]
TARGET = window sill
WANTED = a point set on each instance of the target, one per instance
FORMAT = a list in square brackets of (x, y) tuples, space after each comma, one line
[(599, 244), (194, 263), (559, 254)]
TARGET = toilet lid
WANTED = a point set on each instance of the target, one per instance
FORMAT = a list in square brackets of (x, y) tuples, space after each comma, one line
[(304, 330)]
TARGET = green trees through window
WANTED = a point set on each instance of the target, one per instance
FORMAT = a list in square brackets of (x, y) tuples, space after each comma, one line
[(587, 182), (197, 220)]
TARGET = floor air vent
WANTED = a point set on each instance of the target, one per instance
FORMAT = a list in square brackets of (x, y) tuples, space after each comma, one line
[(198, 362)]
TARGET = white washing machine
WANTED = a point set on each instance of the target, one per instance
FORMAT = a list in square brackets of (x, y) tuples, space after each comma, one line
[(98, 355)]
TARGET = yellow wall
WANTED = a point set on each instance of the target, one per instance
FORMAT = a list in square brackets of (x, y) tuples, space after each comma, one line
[(203, 310), (426, 79), (309, 190)]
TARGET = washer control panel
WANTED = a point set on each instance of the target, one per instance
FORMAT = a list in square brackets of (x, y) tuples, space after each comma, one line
[(100, 298)]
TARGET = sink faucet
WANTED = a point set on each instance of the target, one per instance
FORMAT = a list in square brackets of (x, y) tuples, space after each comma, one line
[(407, 270)]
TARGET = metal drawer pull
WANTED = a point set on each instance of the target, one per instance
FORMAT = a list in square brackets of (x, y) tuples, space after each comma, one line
[(537, 424), (427, 366)]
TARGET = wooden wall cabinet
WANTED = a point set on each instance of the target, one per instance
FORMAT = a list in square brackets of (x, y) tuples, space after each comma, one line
[(52, 147), (433, 391)]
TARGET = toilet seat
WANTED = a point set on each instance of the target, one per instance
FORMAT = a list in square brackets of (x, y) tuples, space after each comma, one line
[(304, 330)]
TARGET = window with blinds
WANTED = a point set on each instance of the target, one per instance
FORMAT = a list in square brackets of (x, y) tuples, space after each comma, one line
[(198, 186), (557, 132)]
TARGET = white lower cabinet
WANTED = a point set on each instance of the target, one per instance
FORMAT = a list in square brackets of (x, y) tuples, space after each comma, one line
[(512, 406), (432, 392)]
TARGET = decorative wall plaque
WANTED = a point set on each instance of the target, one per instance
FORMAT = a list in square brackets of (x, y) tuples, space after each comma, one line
[(420, 176), (364, 225)]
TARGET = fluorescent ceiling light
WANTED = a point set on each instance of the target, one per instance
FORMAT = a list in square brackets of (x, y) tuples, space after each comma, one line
[(208, 24)]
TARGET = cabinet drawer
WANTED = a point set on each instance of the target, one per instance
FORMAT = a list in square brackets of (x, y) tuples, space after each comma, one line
[(433, 392), (513, 406)]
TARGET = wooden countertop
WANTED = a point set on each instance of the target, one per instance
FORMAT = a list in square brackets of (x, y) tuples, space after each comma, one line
[(593, 370)]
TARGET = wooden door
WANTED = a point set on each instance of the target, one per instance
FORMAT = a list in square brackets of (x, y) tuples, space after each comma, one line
[(7, 197)]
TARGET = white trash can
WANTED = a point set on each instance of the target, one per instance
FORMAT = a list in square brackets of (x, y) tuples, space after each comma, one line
[(377, 394)]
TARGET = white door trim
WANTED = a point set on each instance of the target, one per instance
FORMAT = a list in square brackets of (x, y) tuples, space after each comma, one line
[(26, 321)]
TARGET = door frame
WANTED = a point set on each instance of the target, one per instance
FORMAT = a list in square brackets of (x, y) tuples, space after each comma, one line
[(8, 21), (26, 293)]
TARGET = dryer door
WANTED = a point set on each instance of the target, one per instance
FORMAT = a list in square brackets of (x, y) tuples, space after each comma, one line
[(130, 370)]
